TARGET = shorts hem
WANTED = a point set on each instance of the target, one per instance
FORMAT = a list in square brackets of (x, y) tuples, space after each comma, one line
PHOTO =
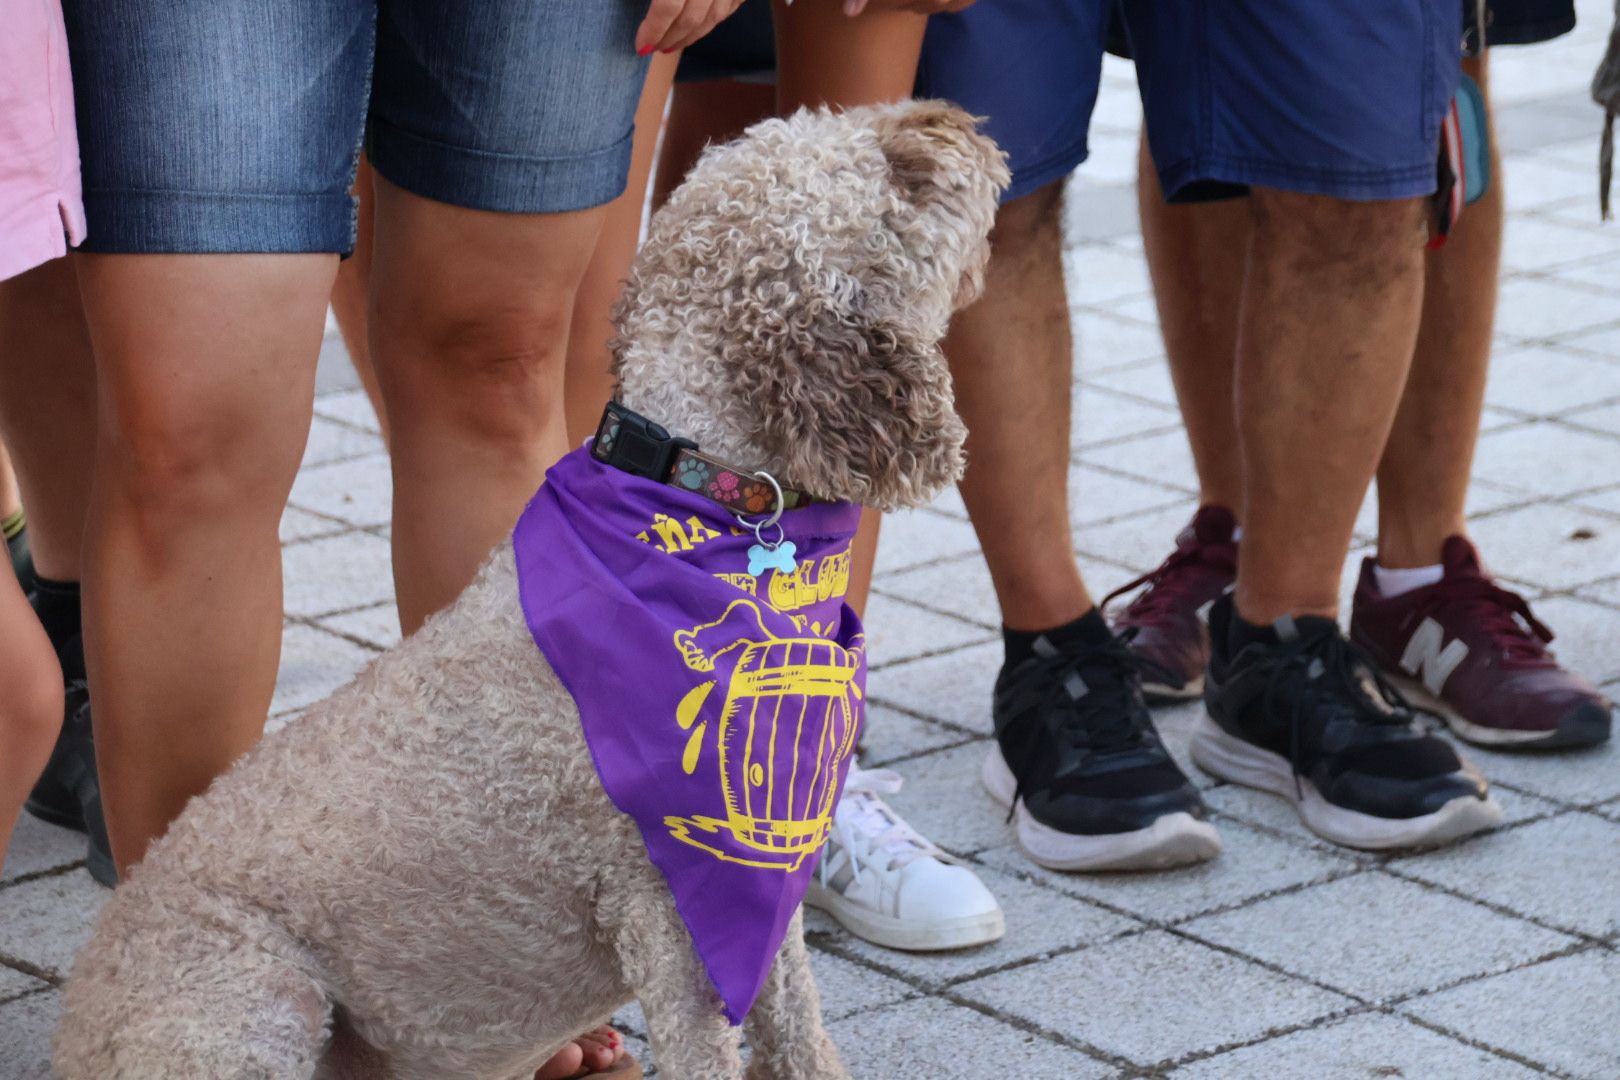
[(506, 183), (1030, 178), (137, 222), (1378, 185), (1528, 33)]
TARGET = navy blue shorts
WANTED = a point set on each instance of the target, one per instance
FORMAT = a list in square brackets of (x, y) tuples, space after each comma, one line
[(1311, 96), (234, 125)]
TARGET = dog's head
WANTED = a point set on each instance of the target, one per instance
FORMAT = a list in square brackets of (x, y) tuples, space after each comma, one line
[(786, 309)]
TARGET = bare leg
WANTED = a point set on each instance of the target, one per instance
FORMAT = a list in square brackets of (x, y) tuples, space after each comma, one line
[(588, 382), (470, 354), (825, 58), (1010, 355), (351, 290), (1423, 478), (1196, 254), (1329, 319), (47, 409), (205, 380)]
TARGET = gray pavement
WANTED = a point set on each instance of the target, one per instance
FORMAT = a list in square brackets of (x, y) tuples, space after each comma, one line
[(1285, 957)]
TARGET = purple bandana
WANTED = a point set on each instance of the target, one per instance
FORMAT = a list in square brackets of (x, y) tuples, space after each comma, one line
[(721, 708)]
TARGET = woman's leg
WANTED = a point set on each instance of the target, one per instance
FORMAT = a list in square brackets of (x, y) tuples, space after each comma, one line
[(588, 382), (700, 113), (205, 382), (47, 409), (351, 293), (824, 57)]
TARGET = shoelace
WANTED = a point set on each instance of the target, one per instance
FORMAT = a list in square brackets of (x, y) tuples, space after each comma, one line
[(1109, 715), (869, 831), (1166, 583), (1493, 608), (1345, 677)]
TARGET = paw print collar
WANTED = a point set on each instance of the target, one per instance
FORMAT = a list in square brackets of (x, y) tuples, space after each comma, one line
[(629, 441)]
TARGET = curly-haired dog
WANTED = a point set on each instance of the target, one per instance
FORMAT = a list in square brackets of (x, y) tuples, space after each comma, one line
[(427, 859)]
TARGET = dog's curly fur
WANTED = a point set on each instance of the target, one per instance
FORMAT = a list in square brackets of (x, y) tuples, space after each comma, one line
[(425, 863)]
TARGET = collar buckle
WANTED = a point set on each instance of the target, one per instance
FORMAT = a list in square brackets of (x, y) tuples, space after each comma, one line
[(633, 443)]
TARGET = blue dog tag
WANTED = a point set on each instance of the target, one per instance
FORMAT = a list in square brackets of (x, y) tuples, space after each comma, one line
[(780, 558)]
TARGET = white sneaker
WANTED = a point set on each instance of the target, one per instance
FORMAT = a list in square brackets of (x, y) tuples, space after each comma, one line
[(887, 884)]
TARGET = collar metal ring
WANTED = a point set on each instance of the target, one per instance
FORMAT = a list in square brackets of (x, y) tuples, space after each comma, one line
[(776, 515)]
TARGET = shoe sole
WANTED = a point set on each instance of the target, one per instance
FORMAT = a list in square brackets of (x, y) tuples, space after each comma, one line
[(1162, 692), (1173, 840), (54, 815), (907, 935), (1229, 758), (1583, 727)]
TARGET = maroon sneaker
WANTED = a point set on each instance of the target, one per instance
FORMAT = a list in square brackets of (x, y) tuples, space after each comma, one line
[(1472, 651), (1166, 620)]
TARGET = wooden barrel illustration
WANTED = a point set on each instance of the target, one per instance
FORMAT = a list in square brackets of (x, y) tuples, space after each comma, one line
[(786, 733)]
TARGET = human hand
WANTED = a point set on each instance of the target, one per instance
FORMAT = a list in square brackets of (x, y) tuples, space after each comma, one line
[(675, 24)]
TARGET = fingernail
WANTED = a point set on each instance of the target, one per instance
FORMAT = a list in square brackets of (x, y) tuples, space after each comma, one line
[(666, 52), (645, 50)]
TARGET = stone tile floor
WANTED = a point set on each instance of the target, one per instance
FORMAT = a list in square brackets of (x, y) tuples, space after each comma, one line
[(1283, 958)]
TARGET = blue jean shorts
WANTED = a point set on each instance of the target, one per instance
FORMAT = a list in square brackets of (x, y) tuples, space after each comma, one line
[(235, 125), (1321, 98)]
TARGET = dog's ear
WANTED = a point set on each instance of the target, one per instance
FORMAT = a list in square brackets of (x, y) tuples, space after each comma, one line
[(862, 411), (934, 148)]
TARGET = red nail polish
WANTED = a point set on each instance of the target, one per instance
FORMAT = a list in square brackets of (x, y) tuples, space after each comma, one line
[(666, 52), (645, 50)]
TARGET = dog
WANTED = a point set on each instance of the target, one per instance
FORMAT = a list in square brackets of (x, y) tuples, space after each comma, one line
[(426, 862)]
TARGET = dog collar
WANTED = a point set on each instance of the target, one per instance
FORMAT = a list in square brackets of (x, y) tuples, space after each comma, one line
[(629, 441)]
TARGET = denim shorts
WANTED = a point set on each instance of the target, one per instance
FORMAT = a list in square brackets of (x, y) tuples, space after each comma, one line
[(235, 125), (1317, 97)]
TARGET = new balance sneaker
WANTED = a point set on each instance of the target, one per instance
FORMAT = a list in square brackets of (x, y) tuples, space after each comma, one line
[(1307, 716), (888, 885), (1081, 768), (1474, 653), (1166, 619)]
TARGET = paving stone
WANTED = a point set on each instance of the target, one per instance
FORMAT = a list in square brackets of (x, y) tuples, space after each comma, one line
[(36, 847), (954, 687), (1536, 457), (1600, 342), (350, 407), (1097, 495), (48, 919), (896, 630), (1098, 273), (914, 537), (1102, 416), (959, 587), (1561, 1013), (1530, 309), (378, 624), (337, 573), (1580, 778), (1378, 937), (944, 800), (1143, 540), (1588, 635), (848, 988), (1601, 418), (1554, 545), (1040, 922), (14, 984), (937, 1039), (359, 491), (1250, 865), (1564, 871), (26, 1027), (890, 734), (1371, 1046), (1162, 460), (313, 664), (1530, 183), (329, 442), (1103, 343), (1545, 381), (1119, 997), (299, 525), (1533, 243)]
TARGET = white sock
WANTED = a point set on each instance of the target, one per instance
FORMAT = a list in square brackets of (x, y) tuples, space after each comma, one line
[(1237, 533), (1396, 582)]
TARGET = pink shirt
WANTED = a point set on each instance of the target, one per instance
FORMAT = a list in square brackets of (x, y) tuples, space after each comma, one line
[(41, 202)]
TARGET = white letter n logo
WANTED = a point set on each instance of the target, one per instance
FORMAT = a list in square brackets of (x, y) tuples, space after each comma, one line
[(1425, 658)]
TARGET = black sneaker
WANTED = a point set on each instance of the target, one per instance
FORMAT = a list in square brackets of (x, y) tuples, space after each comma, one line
[(68, 793), (1082, 770), (1311, 719)]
